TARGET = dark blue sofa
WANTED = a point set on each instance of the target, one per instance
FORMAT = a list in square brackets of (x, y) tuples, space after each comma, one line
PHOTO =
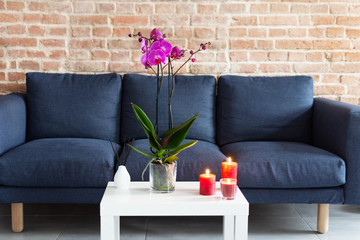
[(290, 147)]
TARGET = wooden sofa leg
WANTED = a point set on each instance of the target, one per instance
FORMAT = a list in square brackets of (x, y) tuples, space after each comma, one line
[(323, 218), (17, 217)]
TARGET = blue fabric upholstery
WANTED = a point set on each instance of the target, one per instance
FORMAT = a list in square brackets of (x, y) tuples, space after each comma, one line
[(12, 121), (58, 162), (192, 94), (264, 109), (308, 195), (192, 161), (337, 129), (70, 105), (285, 165), (50, 195)]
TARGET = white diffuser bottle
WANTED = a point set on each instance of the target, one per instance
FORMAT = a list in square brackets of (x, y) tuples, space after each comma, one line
[(122, 178)]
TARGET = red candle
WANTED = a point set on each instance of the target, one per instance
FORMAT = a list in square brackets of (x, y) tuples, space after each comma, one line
[(229, 169), (207, 183), (228, 188)]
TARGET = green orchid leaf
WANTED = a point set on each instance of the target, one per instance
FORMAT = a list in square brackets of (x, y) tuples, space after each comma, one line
[(176, 135), (182, 147), (171, 159), (149, 155)]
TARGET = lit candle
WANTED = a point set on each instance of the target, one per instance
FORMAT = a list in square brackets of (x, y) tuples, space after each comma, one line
[(228, 188), (207, 183), (229, 169)]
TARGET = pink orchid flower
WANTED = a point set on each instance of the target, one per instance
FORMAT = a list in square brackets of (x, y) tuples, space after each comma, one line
[(176, 53), (162, 45), (145, 60), (144, 45), (156, 57), (156, 35)]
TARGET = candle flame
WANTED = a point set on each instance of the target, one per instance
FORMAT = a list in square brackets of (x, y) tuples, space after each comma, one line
[(207, 171), (228, 181), (229, 159)]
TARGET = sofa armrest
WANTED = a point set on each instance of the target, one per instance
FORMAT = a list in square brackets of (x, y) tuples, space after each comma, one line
[(12, 121), (336, 128)]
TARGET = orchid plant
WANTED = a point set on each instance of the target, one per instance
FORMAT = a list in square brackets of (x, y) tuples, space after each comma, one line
[(160, 53)]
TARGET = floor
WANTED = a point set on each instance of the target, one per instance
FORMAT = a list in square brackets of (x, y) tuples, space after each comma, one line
[(266, 222)]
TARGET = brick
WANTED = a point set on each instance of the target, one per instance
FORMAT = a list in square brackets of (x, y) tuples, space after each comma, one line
[(207, 8), (87, 66), (92, 20), (244, 21), (297, 32), (336, 57), (36, 31), (279, 8), (221, 33), (278, 20), (354, 90), (265, 44), (16, 76), (13, 87), (13, 65), (277, 32), (238, 32), (354, 9), (232, 8), (221, 57), (345, 67), (278, 56), (293, 44), (332, 44), (131, 20), (274, 68), (121, 56), (304, 20), (243, 68), (53, 19), (23, 42), (33, 18), (350, 100), (126, 67), (15, 5), (105, 8), (1, 53), (330, 78), (238, 56), (165, 20), (144, 8), (317, 32), (259, 8), (102, 32), (353, 33), (335, 32), (81, 31), (129, 8), (183, 32), (87, 44), (29, 65), (58, 31), (84, 7), (14, 53), (188, 8), (315, 57), (352, 57), (16, 29), (3, 65), (9, 17), (311, 67), (2, 5), (2, 76), (51, 66), (163, 8), (35, 54), (61, 7), (37, 6), (300, 8), (347, 20), (204, 32), (242, 44), (100, 54), (58, 54), (53, 42), (257, 32), (329, 90), (121, 31), (79, 54), (338, 8), (349, 80), (322, 20), (297, 56), (319, 8), (258, 56)]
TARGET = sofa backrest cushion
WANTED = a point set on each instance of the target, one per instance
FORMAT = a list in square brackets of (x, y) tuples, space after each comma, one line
[(264, 108), (71, 105), (193, 94)]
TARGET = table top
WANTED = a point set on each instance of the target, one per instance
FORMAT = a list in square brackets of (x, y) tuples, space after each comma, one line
[(138, 200)]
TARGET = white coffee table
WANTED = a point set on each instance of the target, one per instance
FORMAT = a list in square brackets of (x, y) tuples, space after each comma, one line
[(184, 201)]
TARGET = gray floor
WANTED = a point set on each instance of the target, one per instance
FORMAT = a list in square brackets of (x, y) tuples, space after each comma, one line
[(266, 222)]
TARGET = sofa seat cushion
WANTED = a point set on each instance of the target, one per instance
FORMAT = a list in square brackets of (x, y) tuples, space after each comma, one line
[(55, 162), (285, 165), (192, 161)]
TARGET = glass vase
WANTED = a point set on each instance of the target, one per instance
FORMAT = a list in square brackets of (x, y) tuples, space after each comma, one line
[(162, 177)]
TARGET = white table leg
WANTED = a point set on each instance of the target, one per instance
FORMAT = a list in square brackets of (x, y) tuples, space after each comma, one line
[(110, 228), (241, 227), (229, 224)]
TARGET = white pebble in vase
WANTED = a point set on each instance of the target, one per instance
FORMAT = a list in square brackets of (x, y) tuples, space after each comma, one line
[(122, 178)]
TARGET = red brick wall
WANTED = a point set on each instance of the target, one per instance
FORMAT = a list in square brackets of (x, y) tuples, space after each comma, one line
[(265, 37)]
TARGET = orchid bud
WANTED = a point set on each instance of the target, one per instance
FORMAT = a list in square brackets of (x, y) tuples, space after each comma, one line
[(140, 39), (130, 35), (191, 52), (203, 47), (193, 59), (139, 33), (164, 35)]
